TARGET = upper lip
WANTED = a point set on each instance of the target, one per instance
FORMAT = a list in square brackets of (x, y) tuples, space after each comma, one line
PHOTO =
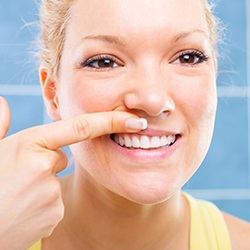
[(152, 132)]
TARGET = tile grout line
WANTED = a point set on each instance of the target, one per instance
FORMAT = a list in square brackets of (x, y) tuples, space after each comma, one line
[(220, 193), (34, 90), (248, 84)]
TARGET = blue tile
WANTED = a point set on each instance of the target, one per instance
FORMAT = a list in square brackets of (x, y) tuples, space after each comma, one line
[(238, 208), (232, 64), (26, 111), (226, 165), (17, 66)]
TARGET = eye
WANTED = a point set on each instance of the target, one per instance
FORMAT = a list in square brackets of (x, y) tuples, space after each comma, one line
[(191, 58), (101, 62)]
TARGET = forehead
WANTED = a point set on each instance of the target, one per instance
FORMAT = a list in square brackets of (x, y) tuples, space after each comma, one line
[(94, 17)]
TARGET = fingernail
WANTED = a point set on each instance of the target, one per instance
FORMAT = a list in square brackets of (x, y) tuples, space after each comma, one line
[(136, 123)]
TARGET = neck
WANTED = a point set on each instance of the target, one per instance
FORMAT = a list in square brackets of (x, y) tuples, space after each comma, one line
[(96, 218)]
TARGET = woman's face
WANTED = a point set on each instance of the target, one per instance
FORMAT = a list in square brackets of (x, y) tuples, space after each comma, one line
[(136, 56)]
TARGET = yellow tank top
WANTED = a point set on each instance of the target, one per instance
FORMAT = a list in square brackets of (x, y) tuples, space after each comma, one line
[(37, 246), (208, 229)]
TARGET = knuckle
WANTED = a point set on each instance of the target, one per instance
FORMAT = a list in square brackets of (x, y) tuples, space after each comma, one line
[(82, 128), (51, 192), (54, 221), (47, 165), (57, 210), (55, 191), (113, 123), (53, 217), (59, 214), (48, 232), (62, 157), (50, 160)]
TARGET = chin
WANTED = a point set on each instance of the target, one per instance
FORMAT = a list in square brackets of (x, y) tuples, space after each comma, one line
[(151, 193), (149, 198)]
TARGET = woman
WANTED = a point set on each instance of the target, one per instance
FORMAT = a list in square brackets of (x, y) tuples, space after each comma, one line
[(134, 83)]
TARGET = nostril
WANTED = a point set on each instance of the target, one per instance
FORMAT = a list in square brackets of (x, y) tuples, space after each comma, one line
[(169, 107)]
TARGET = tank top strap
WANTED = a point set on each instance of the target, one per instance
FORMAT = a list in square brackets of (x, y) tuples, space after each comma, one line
[(208, 229)]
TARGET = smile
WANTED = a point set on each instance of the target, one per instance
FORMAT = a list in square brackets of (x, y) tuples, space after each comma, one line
[(143, 142)]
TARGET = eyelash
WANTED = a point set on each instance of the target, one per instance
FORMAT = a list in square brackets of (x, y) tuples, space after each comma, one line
[(201, 56), (112, 60), (98, 59)]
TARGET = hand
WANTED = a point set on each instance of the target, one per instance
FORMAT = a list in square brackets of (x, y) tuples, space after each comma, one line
[(4, 117), (30, 193)]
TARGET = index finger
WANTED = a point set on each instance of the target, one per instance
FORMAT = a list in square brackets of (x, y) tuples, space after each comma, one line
[(65, 132)]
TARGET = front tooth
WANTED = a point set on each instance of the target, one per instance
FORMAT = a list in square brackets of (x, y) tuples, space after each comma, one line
[(164, 140), (128, 142), (145, 143), (155, 142), (135, 142)]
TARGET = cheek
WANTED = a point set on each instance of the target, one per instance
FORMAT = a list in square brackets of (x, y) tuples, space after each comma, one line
[(198, 101), (87, 97), (205, 105), (201, 111)]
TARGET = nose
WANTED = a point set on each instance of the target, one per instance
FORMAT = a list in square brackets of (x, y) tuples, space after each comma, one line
[(150, 94)]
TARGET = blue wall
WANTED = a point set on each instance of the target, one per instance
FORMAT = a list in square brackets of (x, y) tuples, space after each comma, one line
[(224, 177)]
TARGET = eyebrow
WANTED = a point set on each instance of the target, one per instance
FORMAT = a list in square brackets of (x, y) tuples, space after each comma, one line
[(120, 42), (186, 34), (106, 38)]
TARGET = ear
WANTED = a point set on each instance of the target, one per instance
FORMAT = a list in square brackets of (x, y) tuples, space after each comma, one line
[(49, 94)]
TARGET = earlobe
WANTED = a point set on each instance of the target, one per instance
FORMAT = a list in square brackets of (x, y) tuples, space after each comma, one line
[(49, 94)]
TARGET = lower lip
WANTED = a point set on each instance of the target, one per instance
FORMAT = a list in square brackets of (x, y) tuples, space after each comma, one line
[(147, 155)]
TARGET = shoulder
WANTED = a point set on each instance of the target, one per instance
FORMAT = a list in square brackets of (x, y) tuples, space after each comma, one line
[(239, 231)]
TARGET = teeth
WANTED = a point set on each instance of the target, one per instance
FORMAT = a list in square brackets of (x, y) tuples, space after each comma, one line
[(155, 142), (121, 141), (135, 142), (145, 142), (128, 142)]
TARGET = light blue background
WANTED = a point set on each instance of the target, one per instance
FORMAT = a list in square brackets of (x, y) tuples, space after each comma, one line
[(224, 177)]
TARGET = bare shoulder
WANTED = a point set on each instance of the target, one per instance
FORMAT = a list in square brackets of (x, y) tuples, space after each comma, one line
[(239, 231)]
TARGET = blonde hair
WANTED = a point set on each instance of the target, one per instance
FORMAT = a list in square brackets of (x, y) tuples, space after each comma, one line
[(213, 22), (54, 16)]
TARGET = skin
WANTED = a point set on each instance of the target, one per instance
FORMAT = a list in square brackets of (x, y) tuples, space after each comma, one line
[(135, 194), (4, 118), (144, 80), (30, 163)]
